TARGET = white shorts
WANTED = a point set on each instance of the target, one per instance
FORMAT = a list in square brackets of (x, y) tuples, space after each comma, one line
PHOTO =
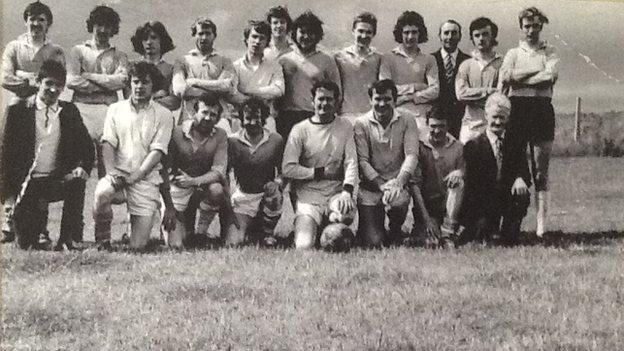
[(247, 204), (326, 211), (142, 198), (93, 117)]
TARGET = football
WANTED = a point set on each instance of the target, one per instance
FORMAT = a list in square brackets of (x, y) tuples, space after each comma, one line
[(337, 237)]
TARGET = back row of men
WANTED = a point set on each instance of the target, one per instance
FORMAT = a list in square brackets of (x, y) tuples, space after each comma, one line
[(400, 146)]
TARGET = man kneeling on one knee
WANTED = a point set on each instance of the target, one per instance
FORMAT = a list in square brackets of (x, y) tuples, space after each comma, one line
[(321, 161), (387, 149), (438, 186), (136, 136), (198, 160), (47, 157)]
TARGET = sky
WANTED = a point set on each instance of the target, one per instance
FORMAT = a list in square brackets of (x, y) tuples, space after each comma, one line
[(588, 34)]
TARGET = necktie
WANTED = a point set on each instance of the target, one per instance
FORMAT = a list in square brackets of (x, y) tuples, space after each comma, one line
[(499, 156), (448, 69)]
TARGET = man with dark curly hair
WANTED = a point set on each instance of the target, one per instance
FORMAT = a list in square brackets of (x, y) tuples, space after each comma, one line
[(414, 72), (96, 71), (151, 40), (303, 67)]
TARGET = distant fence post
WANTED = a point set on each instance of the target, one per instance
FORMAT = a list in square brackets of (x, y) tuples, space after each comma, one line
[(577, 120)]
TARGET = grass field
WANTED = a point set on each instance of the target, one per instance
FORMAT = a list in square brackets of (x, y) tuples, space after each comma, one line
[(565, 292)]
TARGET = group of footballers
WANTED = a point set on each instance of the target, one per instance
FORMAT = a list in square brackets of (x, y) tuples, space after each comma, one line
[(354, 137)]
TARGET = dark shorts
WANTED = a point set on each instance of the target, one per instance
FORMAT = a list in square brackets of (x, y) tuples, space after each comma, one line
[(286, 120), (532, 119)]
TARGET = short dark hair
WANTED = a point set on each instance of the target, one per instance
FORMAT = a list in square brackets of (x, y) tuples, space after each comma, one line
[(209, 99), (254, 104), (280, 12), (105, 16), (262, 27), (326, 84), (436, 112), (38, 8), (410, 18), (381, 86), (142, 69), (310, 21), (531, 12), (52, 69), (365, 17), (483, 22), (142, 32), (203, 22), (451, 21)]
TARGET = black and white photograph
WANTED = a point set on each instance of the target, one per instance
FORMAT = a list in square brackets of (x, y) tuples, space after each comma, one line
[(297, 175)]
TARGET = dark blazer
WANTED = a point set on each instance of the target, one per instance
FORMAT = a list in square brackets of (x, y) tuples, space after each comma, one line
[(18, 149), (447, 92), (481, 188)]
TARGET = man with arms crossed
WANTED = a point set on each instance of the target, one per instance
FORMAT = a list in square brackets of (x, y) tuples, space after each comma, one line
[(47, 157), (529, 72), (448, 59), (96, 70), (256, 76), (321, 161), (303, 67), (438, 186), (198, 161), (21, 61), (414, 73), (497, 179), (136, 136), (478, 77), (359, 66), (203, 70), (255, 156), (280, 22), (387, 150)]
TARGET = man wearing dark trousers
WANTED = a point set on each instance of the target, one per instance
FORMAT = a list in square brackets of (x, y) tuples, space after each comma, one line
[(448, 58), (497, 179), (47, 157)]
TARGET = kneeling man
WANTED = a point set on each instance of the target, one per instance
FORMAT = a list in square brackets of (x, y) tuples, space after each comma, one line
[(136, 136), (497, 178), (321, 160), (255, 156), (47, 157), (387, 150), (198, 161)]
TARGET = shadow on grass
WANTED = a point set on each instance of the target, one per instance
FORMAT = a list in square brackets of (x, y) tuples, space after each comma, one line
[(560, 239)]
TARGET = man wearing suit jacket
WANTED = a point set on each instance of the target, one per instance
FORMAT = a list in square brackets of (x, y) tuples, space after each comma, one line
[(47, 156), (497, 179), (448, 58)]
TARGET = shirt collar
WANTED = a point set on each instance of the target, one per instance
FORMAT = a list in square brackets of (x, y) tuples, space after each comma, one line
[(150, 104), (91, 44), (40, 105), (196, 52), (477, 56), (242, 137), (450, 140), (187, 126), (248, 63), (25, 39), (372, 117), (492, 137), (453, 54), (352, 50), (526, 47), (314, 52), (399, 50)]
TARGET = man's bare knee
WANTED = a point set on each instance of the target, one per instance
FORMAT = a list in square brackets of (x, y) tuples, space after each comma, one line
[(305, 232)]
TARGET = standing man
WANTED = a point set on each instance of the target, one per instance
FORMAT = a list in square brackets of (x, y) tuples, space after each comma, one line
[(281, 23), (258, 77), (203, 70), (439, 186), (198, 161), (303, 67), (414, 73), (321, 161), (47, 157), (359, 66), (136, 136), (448, 59), (497, 178), (151, 40), (477, 77), (255, 156), (21, 60), (530, 72), (96, 70), (387, 150)]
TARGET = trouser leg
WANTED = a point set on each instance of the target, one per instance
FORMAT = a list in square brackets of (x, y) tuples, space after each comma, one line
[(72, 221), (371, 230), (28, 213)]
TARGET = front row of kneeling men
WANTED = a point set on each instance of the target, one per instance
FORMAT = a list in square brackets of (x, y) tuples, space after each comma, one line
[(335, 169)]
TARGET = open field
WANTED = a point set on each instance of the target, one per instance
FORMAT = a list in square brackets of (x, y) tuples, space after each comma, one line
[(565, 292)]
